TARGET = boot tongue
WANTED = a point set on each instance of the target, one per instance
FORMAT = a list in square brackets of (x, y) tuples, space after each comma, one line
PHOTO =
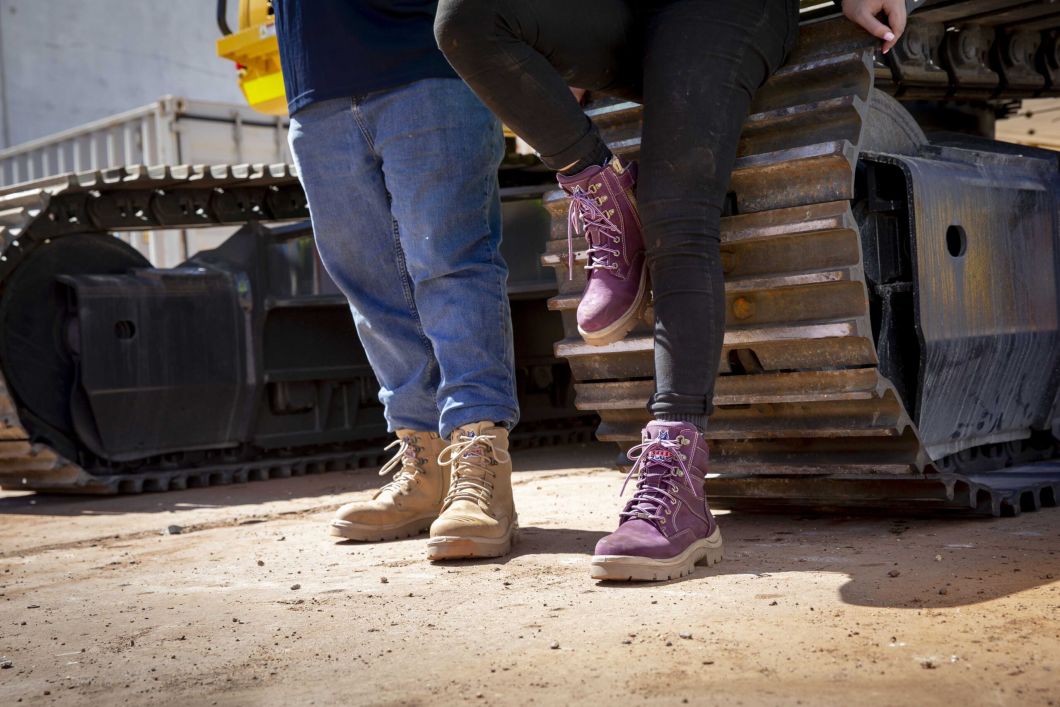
[(476, 456), (682, 432)]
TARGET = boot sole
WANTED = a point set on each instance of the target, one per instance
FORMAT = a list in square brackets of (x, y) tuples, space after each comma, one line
[(629, 568), (453, 547), (349, 530), (625, 323)]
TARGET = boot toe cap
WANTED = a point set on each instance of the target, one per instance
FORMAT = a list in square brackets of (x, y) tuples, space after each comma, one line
[(638, 538), (468, 524), (367, 513)]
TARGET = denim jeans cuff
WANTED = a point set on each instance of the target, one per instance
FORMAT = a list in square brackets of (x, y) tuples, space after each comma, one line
[(505, 417), (589, 146)]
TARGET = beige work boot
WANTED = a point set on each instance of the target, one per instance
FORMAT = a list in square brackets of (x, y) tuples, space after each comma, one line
[(406, 505), (478, 518)]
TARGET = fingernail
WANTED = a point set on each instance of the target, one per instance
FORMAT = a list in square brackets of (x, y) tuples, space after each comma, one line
[(889, 37)]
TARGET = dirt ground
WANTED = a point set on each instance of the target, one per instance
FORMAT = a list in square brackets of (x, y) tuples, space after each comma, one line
[(252, 604)]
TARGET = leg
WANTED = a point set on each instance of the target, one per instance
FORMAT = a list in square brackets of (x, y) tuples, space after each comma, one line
[(440, 149), (703, 62), (520, 56), (358, 243)]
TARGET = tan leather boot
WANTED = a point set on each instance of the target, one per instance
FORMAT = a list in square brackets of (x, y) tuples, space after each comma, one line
[(406, 505), (478, 518)]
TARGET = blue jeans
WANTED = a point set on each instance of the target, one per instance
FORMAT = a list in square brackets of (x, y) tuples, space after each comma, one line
[(403, 195)]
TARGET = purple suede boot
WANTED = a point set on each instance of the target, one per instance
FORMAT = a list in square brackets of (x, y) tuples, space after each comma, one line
[(667, 528), (604, 210)]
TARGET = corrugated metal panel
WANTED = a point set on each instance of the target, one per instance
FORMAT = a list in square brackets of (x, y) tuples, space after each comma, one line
[(170, 131)]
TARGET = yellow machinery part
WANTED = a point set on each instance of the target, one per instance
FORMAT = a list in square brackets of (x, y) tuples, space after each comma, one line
[(254, 50)]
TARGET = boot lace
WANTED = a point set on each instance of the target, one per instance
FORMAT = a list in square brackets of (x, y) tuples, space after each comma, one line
[(658, 463), (406, 462), (472, 475), (586, 218)]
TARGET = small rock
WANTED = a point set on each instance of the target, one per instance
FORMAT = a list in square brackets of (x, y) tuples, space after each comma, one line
[(554, 645), (893, 573), (173, 530), (479, 695), (281, 538), (507, 584), (384, 580), (928, 665), (944, 591), (626, 641), (33, 606), (685, 635), (6, 664), (669, 643), (295, 587), (261, 563), (938, 558), (773, 603)]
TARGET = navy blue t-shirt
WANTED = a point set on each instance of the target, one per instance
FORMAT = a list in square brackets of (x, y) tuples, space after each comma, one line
[(338, 48)]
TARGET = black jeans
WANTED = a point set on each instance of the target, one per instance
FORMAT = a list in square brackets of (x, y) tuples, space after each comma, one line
[(695, 65)]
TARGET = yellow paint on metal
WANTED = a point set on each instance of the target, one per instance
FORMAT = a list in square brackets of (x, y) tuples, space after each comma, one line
[(256, 54)]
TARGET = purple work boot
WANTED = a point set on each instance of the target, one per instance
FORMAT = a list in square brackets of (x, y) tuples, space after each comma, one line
[(667, 528), (604, 210)]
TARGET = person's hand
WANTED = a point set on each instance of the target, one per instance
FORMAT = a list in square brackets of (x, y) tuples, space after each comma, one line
[(864, 13)]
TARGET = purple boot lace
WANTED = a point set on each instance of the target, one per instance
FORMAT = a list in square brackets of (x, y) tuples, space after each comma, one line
[(657, 461), (586, 218)]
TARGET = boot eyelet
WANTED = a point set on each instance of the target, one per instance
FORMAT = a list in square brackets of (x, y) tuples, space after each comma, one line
[(668, 512), (662, 521)]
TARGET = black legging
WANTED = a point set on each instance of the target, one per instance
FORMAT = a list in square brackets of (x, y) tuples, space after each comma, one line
[(695, 65)]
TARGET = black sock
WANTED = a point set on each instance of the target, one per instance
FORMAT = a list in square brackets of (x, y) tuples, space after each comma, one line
[(700, 421)]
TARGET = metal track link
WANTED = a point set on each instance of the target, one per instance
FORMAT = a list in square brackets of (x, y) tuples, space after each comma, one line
[(799, 391)]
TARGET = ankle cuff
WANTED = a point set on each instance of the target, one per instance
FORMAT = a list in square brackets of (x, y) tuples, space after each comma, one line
[(700, 421)]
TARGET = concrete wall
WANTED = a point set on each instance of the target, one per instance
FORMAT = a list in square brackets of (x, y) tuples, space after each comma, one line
[(66, 62)]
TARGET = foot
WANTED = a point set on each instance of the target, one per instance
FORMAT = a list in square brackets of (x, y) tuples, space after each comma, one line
[(409, 503), (478, 518), (604, 210), (667, 528)]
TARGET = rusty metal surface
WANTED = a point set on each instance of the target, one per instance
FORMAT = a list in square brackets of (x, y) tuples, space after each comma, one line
[(985, 236), (799, 361), (975, 50), (1005, 493)]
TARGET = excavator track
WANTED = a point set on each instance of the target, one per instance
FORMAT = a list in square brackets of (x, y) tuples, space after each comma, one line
[(38, 219), (844, 375)]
